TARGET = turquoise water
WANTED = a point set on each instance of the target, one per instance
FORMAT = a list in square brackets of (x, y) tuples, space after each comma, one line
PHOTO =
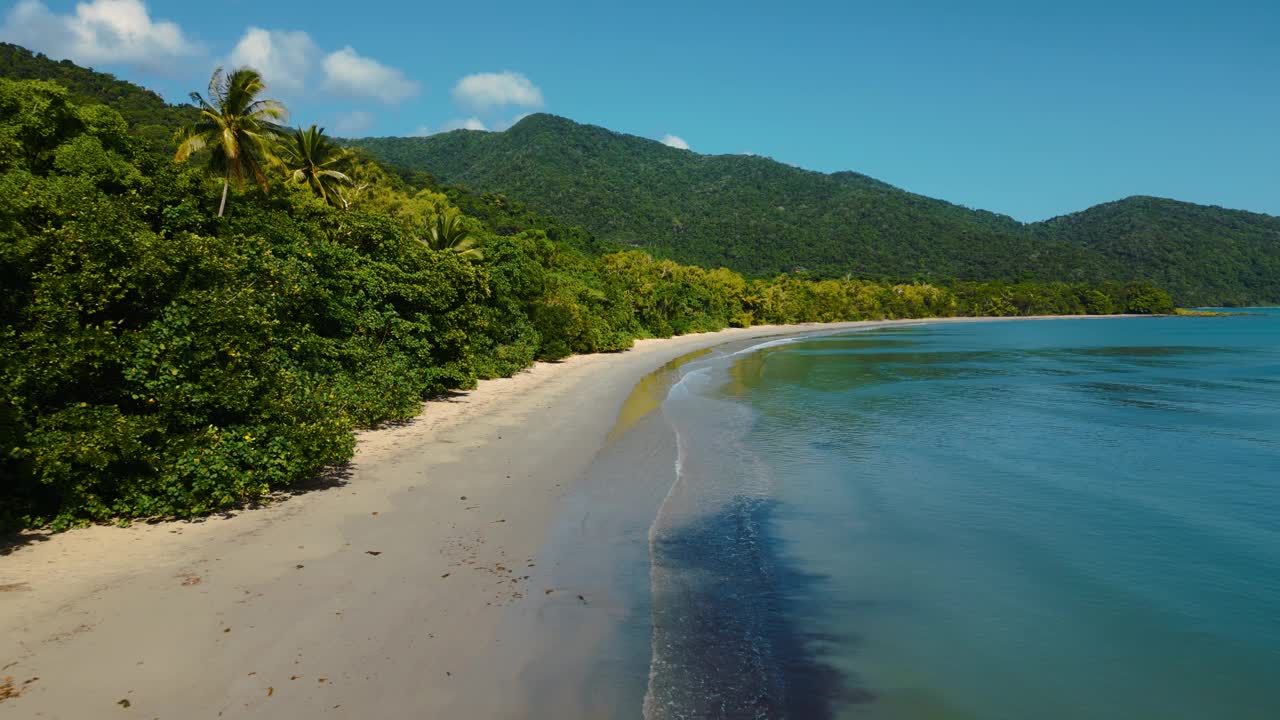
[(1039, 519)]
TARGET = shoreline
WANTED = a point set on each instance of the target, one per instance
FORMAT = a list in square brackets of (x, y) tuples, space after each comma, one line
[(385, 592)]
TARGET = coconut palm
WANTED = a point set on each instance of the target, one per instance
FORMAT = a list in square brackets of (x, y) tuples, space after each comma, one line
[(235, 126), (310, 157), (446, 231)]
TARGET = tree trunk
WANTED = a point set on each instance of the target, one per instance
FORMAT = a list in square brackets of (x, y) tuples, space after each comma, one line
[(222, 206)]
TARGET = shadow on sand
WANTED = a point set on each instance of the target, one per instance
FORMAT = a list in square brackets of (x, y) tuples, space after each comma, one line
[(332, 477)]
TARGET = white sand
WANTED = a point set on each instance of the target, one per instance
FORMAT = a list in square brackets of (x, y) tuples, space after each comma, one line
[(284, 612)]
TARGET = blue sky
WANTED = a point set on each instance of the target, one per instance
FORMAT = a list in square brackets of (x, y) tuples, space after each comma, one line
[(1027, 108)]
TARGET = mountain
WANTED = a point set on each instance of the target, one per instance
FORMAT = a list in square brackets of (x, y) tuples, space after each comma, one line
[(598, 190), (149, 116), (744, 212), (759, 216), (1201, 255)]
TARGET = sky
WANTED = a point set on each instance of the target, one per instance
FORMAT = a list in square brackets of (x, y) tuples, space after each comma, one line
[(1032, 109)]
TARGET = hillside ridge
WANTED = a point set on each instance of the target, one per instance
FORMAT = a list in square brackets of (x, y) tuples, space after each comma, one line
[(760, 216), (599, 189)]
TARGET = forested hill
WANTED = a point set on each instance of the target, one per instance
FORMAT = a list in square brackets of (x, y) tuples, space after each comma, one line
[(1202, 255), (175, 343), (759, 216), (748, 213), (596, 190), (148, 115), (154, 121)]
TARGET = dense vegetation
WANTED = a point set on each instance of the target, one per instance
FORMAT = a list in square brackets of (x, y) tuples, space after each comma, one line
[(1201, 255), (761, 217), (747, 213), (157, 359), (150, 118), (154, 121)]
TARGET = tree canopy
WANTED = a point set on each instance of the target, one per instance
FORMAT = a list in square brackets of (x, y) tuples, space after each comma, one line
[(237, 130), (157, 360), (150, 118), (1202, 255), (312, 159), (761, 217)]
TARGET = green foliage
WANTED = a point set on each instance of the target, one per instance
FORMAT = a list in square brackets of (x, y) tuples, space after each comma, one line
[(499, 214), (600, 192), (154, 122), (1027, 298), (446, 232), (1147, 300), (150, 118), (761, 217), (156, 360), (748, 213), (237, 131), (310, 158), (1201, 255)]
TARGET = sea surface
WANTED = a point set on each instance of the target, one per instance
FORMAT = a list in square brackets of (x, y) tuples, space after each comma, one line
[(1033, 519)]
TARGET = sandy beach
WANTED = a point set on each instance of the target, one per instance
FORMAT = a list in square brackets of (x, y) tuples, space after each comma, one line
[(381, 593)]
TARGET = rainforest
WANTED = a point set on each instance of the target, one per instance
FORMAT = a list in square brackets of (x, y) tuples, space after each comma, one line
[(202, 305)]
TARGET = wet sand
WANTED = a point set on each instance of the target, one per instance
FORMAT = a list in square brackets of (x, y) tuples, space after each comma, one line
[(402, 586)]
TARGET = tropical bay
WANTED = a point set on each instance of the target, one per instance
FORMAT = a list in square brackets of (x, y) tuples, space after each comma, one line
[(337, 382), (995, 520), (330, 299)]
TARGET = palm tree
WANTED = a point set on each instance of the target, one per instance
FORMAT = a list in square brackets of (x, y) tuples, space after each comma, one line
[(312, 158), (235, 126), (445, 231)]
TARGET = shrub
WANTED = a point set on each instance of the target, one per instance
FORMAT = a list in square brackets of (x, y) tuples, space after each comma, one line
[(156, 360)]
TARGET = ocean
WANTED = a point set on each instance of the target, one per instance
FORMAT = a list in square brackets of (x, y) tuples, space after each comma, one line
[(1034, 519)]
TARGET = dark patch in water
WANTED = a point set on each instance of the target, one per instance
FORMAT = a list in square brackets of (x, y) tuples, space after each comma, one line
[(1128, 351), (1124, 388), (1259, 381), (731, 641)]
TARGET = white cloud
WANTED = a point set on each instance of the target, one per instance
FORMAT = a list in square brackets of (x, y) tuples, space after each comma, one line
[(675, 141), (349, 73), (100, 31), (284, 57), (353, 123), (471, 123), (506, 124), (482, 91)]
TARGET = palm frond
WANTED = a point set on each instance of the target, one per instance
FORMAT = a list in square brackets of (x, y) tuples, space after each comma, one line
[(269, 110), (189, 143), (235, 126), (309, 157), (447, 232)]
